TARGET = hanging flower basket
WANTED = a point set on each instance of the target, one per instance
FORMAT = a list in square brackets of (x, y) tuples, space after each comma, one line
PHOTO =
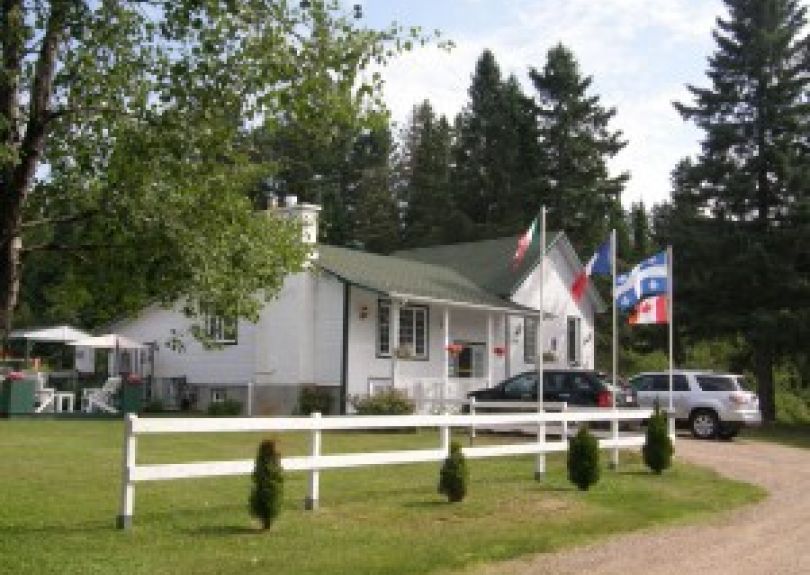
[(499, 350), (454, 348)]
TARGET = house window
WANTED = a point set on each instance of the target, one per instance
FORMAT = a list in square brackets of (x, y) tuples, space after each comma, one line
[(413, 330), (221, 329), (218, 395), (574, 340), (529, 339)]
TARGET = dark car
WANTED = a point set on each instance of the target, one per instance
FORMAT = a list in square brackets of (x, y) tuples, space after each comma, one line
[(577, 387)]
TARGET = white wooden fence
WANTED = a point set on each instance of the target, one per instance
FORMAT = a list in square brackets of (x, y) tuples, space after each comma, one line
[(315, 462)]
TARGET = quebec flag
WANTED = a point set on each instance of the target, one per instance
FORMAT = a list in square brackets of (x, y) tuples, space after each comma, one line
[(648, 278)]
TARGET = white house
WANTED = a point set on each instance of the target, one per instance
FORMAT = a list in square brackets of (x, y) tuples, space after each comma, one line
[(465, 320)]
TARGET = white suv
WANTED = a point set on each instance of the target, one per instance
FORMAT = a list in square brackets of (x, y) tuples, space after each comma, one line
[(713, 404)]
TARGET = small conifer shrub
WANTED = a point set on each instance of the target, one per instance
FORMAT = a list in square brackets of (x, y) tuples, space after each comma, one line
[(454, 475), (268, 484), (583, 459), (658, 449)]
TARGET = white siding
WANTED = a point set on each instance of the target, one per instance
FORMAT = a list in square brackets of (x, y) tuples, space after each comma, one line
[(231, 364), (558, 301), (328, 323)]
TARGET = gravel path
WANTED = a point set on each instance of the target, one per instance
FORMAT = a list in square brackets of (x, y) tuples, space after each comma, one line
[(772, 537)]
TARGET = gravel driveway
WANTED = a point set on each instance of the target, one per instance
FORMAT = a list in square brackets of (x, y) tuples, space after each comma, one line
[(772, 537)]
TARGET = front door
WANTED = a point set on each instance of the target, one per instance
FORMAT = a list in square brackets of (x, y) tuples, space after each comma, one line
[(470, 360)]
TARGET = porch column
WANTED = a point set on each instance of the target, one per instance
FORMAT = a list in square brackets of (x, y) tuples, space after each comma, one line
[(490, 352), (394, 340), (446, 366)]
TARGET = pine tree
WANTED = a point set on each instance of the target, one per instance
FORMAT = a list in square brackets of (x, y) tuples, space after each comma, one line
[(454, 475), (574, 182), (268, 484), (423, 169), (657, 451), (743, 204), (494, 132)]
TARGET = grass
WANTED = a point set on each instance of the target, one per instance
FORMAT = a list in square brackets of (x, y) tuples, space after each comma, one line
[(60, 484), (791, 434)]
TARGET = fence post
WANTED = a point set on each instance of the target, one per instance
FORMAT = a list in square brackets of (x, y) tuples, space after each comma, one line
[(444, 436), (564, 424), (128, 463), (614, 433), (671, 424), (540, 459), (313, 491), (472, 425)]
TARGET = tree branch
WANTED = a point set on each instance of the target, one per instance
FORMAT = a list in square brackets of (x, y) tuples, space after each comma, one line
[(59, 219)]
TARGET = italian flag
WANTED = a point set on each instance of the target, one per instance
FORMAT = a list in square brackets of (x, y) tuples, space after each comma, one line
[(524, 242), (650, 310)]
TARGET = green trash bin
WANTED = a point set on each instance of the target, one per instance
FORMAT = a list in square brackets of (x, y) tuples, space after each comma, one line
[(17, 395), (132, 395)]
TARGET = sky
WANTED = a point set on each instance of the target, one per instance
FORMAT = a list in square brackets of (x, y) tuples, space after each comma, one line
[(640, 53)]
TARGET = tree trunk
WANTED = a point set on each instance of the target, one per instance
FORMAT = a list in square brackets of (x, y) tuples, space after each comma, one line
[(10, 247), (763, 369)]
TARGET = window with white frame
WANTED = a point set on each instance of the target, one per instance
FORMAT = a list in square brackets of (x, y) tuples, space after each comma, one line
[(221, 329), (413, 331), (574, 340), (218, 395)]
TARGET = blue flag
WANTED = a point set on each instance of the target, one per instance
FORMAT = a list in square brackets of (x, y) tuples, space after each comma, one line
[(648, 278)]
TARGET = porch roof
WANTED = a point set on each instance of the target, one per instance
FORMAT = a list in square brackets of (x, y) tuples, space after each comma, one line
[(411, 280)]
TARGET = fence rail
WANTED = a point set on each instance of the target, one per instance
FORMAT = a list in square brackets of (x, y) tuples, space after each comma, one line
[(316, 461)]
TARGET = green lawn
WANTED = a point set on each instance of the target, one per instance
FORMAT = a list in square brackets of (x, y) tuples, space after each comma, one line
[(59, 485), (792, 434)]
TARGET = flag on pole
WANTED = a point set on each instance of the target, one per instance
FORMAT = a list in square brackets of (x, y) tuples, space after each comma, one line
[(599, 264), (648, 278), (524, 242), (650, 310)]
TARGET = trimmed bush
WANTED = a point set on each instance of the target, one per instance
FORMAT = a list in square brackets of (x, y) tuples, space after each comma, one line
[(657, 450), (268, 484), (229, 407), (583, 459), (312, 398), (454, 475), (386, 402)]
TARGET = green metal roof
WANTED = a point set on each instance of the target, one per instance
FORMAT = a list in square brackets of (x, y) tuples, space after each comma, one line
[(487, 263), (408, 277)]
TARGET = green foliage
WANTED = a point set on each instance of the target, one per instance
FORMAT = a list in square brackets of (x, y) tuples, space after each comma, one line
[(741, 208), (313, 399), (226, 408), (454, 475), (583, 459), (268, 484), (493, 155), (793, 406), (154, 406), (146, 167), (385, 402), (657, 451), (575, 146)]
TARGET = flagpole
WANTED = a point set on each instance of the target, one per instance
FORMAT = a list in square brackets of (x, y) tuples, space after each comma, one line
[(615, 351), (540, 459), (614, 456), (671, 314)]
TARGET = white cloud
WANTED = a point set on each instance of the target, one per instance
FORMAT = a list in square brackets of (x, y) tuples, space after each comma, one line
[(641, 53)]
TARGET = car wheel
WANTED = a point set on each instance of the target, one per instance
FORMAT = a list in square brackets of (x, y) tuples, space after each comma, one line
[(704, 424)]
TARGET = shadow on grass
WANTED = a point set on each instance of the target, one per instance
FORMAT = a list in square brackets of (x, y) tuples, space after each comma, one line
[(426, 504), (226, 530)]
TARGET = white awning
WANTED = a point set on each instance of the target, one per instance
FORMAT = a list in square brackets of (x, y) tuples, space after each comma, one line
[(108, 341), (60, 333)]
